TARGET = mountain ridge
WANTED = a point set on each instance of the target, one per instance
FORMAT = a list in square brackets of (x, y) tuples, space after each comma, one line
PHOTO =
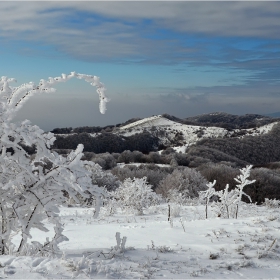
[(220, 119)]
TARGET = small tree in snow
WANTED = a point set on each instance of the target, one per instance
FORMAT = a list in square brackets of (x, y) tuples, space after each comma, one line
[(243, 181), (136, 195), (32, 188), (207, 195)]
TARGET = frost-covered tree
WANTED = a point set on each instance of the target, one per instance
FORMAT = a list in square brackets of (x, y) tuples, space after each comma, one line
[(32, 187), (207, 195), (243, 181)]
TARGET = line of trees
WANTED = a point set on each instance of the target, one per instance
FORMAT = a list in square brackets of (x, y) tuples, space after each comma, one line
[(108, 142)]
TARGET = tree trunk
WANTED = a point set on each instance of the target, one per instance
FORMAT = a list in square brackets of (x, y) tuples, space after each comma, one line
[(3, 221), (27, 227)]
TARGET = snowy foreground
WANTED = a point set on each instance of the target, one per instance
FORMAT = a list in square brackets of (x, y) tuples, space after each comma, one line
[(187, 247)]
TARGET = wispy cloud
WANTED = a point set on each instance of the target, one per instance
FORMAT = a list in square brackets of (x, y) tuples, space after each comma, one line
[(119, 30)]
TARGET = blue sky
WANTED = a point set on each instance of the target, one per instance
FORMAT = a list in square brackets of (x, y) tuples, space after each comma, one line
[(182, 58)]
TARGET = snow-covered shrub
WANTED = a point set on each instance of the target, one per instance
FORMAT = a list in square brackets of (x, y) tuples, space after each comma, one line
[(271, 203), (153, 173), (223, 174), (187, 181), (105, 160), (175, 210), (136, 195), (103, 178), (267, 185), (111, 205), (161, 249), (109, 181), (32, 188), (176, 197), (226, 204)]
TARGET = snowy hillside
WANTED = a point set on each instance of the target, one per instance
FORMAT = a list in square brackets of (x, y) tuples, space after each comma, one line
[(259, 130), (147, 122), (171, 132)]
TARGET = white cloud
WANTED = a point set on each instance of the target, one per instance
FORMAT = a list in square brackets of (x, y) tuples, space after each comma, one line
[(234, 18), (120, 33), (250, 18)]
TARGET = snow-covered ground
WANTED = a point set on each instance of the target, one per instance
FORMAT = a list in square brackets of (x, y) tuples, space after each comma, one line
[(122, 164), (187, 247)]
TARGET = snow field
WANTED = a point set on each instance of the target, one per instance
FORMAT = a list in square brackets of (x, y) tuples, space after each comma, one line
[(187, 247)]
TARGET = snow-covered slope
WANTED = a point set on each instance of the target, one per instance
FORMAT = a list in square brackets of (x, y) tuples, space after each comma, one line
[(154, 120), (259, 130), (169, 131), (173, 133)]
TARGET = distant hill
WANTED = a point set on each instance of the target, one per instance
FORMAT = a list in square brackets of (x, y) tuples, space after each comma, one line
[(215, 137), (217, 119), (261, 149), (230, 121)]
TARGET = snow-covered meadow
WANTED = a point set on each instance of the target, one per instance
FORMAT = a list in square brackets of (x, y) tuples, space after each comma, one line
[(188, 246)]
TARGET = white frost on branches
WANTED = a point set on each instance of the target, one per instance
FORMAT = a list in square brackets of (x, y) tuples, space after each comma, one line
[(243, 181), (33, 188), (208, 194), (136, 195), (15, 97), (228, 201)]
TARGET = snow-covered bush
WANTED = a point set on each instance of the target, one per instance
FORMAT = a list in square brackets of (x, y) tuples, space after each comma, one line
[(187, 181), (134, 195), (222, 173), (175, 210), (153, 173), (32, 188), (105, 160), (267, 185), (103, 178), (271, 203), (176, 197), (227, 202)]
